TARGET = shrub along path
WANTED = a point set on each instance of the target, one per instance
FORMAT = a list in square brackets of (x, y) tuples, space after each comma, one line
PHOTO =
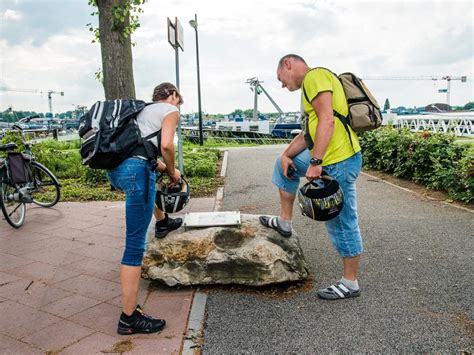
[(79, 183)]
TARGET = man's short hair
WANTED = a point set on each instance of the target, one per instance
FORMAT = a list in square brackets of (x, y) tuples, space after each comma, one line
[(288, 56)]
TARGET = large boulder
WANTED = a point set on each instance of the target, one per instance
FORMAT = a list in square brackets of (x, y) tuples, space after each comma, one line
[(250, 255)]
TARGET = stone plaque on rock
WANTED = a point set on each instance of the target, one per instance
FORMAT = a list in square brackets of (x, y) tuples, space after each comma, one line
[(249, 254), (211, 219)]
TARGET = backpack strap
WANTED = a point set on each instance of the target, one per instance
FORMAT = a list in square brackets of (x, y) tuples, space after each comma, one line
[(342, 118), (153, 135), (145, 142)]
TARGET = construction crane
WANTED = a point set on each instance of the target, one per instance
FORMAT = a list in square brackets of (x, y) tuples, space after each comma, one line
[(257, 88), (448, 79), (49, 92)]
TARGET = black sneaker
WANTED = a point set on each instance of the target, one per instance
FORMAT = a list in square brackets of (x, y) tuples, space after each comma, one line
[(139, 322), (163, 227)]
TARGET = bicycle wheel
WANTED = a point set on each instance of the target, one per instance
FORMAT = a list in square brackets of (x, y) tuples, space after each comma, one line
[(45, 190), (13, 209)]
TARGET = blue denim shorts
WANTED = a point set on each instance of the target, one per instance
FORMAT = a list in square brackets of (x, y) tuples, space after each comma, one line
[(137, 178), (343, 230)]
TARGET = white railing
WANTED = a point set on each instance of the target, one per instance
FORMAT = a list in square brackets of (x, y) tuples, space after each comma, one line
[(459, 125)]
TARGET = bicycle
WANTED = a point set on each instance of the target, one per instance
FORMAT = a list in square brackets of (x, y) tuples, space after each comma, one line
[(38, 186)]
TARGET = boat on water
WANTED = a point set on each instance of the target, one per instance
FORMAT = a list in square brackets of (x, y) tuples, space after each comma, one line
[(287, 126), (246, 129)]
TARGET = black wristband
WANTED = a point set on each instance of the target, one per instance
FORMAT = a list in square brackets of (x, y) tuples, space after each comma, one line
[(316, 161)]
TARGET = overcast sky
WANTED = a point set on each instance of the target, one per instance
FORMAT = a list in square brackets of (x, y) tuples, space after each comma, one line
[(45, 44)]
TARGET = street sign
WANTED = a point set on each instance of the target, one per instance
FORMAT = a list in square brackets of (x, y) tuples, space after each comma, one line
[(179, 34), (171, 33), (442, 90), (176, 39)]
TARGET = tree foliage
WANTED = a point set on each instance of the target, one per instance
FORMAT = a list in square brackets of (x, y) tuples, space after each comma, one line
[(469, 105), (237, 112), (124, 17)]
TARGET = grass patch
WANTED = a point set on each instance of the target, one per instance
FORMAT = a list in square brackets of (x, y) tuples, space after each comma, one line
[(204, 187), (75, 190)]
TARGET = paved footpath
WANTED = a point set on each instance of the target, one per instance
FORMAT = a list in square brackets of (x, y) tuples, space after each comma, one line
[(416, 276), (60, 290)]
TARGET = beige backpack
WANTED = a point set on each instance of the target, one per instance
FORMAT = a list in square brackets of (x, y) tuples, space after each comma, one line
[(364, 111)]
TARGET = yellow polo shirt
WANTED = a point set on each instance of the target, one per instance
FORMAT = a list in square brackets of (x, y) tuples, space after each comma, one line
[(320, 80)]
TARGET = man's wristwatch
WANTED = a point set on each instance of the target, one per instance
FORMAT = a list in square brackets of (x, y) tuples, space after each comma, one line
[(316, 161)]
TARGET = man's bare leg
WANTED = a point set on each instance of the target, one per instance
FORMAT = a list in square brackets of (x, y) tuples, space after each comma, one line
[(286, 205), (351, 267)]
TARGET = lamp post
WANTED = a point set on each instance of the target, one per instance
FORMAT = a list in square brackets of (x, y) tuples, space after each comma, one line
[(194, 24)]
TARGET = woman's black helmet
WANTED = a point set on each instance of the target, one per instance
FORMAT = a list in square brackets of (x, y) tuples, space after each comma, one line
[(171, 200), (321, 199)]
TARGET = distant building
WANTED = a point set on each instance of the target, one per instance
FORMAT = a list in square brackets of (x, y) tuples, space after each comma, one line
[(437, 108)]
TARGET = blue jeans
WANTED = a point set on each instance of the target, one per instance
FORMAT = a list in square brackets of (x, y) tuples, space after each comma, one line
[(137, 179), (343, 230)]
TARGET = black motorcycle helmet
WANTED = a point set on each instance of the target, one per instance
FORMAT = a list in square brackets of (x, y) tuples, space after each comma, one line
[(321, 199), (171, 200)]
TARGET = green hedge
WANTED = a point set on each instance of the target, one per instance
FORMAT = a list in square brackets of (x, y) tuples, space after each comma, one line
[(79, 183), (432, 159), (63, 159)]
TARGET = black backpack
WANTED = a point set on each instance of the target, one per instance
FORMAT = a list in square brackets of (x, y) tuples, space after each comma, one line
[(111, 134)]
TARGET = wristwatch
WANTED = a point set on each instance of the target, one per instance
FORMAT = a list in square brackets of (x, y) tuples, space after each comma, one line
[(316, 161)]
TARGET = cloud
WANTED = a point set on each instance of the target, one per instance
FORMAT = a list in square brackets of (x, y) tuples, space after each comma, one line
[(64, 62), (11, 15), (49, 47), (41, 19), (447, 47)]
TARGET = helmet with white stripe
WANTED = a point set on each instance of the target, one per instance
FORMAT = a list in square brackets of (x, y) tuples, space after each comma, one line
[(171, 200)]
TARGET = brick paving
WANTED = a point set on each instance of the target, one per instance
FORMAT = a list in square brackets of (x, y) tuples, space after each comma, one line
[(60, 287)]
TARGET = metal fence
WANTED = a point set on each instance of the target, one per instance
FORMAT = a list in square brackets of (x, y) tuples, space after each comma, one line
[(460, 126)]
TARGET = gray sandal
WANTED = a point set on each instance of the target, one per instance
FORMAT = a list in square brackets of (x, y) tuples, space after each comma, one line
[(338, 291), (272, 222)]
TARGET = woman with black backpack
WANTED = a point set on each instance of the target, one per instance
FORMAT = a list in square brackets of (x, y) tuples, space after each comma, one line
[(136, 176)]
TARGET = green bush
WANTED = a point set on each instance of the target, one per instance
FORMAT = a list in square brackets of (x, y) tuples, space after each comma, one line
[(432, 159), (200, 162), (12, 137), (64, 163), (60, 145), (80, 183), (93, 177), (458, 181)]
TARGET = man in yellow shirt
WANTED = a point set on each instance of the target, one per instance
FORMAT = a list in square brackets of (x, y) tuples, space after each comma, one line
[(327, 145)]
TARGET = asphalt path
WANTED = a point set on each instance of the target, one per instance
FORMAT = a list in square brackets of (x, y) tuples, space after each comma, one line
[(416, 276)]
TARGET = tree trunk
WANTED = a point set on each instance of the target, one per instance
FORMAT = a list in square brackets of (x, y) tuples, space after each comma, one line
[(117, 67)]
